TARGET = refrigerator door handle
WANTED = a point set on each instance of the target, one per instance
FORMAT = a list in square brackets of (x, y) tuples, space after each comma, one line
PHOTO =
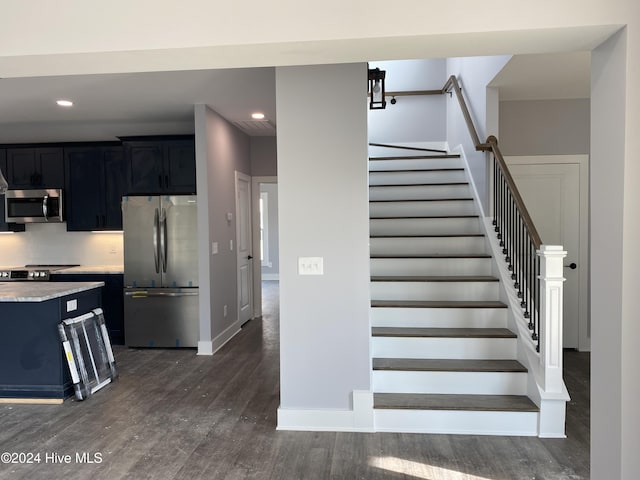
[(155, 241), (163, 239), (151, 293)]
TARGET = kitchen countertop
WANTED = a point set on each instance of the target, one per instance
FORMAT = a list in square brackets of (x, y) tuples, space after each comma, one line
[(42, 291), (95, 269)]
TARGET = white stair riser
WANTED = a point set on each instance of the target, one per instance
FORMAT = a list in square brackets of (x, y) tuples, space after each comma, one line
[(430, 266), (439, 317), (456, 422), (424, 226), (422, 209), (459, 291), (454, 383), (414, 164), (450, 348), (418, 193), (428, 245), (422, 176)]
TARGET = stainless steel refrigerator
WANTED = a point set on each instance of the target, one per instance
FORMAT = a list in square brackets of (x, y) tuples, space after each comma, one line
[(160, 271)]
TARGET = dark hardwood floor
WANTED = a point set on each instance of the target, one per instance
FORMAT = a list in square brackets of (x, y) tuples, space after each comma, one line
[(174, 415)]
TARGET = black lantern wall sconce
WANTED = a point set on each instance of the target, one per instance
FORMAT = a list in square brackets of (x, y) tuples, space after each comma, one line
[(376, 89)]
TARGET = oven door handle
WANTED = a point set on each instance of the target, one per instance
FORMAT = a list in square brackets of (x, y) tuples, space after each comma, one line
[(45, 208)]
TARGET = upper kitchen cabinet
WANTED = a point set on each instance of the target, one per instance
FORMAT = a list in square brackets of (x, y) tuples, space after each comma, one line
[(35, 167), (96, 182), (161, 165), (4, 226)]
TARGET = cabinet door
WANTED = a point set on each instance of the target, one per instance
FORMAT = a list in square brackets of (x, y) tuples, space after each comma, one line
[(146, 173), (115, 186), (50, 162), (180, 167), (85, 208), (6, 227), (35, 167), (21, 167)]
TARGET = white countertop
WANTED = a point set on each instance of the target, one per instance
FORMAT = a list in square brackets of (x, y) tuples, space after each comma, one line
[(96, 269), (42, 291)]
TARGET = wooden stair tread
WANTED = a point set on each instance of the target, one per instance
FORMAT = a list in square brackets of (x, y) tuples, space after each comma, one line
[(416, 157), (418, 401), (447, 184), (459, 278), (460, 199), (447, 365), (422, 235), (430, 255), (409, 170), (417, 332), (437, 304), (421, 217)]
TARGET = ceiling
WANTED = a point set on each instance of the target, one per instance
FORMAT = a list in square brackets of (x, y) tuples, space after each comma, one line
[(545, 77), (111, 105)]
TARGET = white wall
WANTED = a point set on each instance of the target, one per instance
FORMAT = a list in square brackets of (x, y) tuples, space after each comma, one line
[(474, 74), (545, 127), (221, 149), (324, 320), (51, 244), (412, 118)]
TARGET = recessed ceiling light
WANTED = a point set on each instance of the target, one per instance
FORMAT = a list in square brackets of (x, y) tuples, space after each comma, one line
[(64, 103), (257, 116)]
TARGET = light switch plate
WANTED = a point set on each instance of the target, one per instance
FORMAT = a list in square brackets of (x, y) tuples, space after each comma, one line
[(214, 248), (310, 265)]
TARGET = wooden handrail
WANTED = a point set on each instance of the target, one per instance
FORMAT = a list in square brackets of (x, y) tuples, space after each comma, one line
[(492, 145)]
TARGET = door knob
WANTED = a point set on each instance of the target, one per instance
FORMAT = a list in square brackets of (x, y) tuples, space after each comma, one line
[(572, 266), (249, 257)]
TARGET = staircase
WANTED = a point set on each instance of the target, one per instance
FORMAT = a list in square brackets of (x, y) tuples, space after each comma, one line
[(443, 359)]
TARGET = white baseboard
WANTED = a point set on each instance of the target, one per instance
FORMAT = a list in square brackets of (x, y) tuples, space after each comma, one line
[(360, 419), (271, 276), (212, 346), (205, 348), (467, 170)]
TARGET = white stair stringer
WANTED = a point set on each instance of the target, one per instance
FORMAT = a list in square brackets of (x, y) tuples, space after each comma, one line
[(435, 299)]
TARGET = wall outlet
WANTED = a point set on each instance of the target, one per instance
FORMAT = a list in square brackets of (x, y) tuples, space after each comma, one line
[(225, 310), (72, 305)]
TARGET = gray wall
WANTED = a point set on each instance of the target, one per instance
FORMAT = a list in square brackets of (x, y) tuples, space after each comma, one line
[(264, 156), (221, 149), (324, 320), (412, 118), (614, 360), (274, 236), (474, 74), (545, 127)]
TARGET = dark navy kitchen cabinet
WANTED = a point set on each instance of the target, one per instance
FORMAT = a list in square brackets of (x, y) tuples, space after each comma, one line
[(4, 226), (96, 181), (161, 166), (112, 299), (35, 167)]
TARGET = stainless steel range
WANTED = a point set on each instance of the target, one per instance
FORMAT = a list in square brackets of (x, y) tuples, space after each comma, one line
[(37, 273)]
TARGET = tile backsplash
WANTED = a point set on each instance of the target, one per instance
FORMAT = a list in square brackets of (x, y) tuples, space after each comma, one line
[(51, 243)]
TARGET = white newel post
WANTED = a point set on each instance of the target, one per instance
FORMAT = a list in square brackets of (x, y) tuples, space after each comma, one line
[(551, 280)]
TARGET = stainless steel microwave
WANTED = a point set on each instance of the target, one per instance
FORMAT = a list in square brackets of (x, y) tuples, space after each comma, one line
[(33, 206)]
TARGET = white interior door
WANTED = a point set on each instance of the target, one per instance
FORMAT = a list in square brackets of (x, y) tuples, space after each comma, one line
[(551, 193), (243, 248)]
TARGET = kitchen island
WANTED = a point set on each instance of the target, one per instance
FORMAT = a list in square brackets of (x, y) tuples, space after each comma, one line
[(32, 362)]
